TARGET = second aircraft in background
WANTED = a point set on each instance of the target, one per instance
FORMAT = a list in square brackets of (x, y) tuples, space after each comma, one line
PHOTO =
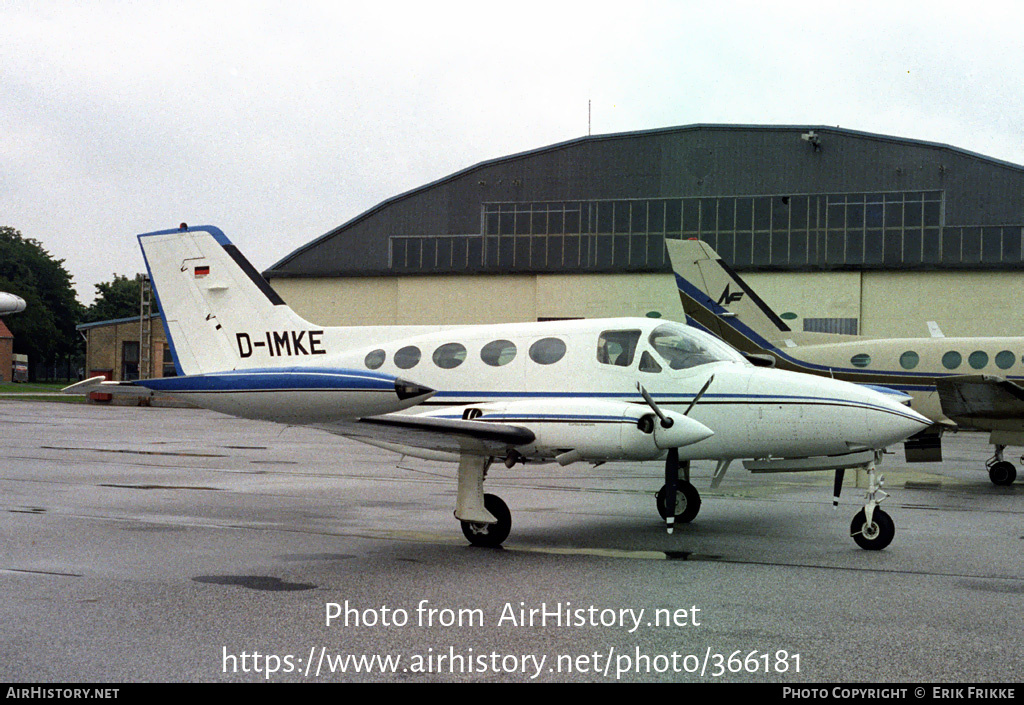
[(716, 298)]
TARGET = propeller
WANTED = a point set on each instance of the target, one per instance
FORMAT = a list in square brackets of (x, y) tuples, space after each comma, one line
[(837, 487), (672, 460)]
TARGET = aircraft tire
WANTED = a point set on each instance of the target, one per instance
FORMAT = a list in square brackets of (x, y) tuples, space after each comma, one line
[(687, 502), (490, 535), (877, 535), (1002, 473)]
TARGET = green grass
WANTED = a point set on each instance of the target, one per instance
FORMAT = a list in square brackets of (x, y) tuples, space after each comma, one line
[(35, 391)]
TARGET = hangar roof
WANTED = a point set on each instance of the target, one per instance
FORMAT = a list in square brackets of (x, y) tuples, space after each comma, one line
[(694, 161)]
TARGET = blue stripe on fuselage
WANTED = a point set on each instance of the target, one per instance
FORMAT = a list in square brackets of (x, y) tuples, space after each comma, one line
[(274, 379)]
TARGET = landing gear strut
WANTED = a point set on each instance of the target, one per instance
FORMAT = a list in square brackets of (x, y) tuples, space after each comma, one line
[(1001, 472), (486, 519), (871, 527)]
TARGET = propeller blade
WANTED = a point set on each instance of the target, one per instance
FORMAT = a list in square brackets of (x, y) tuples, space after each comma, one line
[(699, 395), (837, 487), (671, 484), (665, 421)]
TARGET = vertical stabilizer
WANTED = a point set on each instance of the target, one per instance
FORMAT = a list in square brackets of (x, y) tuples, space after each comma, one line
[(208, 294), (716, 298)]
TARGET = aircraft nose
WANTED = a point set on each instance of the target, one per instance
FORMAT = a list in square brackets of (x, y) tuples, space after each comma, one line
[(889, 420)]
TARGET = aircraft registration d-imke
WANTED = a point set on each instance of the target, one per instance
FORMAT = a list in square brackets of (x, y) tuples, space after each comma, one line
[(592, 391), (716, 299)]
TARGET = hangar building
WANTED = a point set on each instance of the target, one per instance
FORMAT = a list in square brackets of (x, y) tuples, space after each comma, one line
[(837, 230)]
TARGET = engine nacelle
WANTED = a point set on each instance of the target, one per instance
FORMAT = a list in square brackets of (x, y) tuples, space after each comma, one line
[(593, 430)]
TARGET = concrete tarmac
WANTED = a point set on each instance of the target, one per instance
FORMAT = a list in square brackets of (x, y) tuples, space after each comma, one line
[(175, 545)]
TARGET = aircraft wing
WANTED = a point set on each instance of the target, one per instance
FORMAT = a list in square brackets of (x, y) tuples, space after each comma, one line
[(409, 434), (979, 400)]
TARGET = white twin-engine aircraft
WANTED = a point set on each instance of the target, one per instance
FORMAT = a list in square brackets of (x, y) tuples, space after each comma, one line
[(567, 391)]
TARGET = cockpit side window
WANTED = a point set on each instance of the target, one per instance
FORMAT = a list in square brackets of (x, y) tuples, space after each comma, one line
[(648, 363), (617, 347), (682, 347)]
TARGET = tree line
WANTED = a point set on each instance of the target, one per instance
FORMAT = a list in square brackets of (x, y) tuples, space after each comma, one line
[(46, 330)]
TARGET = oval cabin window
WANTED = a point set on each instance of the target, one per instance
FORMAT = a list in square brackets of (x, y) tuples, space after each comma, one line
[(547, 351), (952, 360), (375, 359), (408, 357), (498, 352), (909, 360), (450, 355)]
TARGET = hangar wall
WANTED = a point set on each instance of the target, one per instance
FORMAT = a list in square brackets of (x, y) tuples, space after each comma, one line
[(452, 300)]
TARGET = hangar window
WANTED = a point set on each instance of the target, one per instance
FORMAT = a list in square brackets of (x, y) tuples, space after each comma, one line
[(617, 347), (861, 360), (407, 357), (547, 351), (498, 352), (375, 359), (977, 359), (450, 355), (909, 360), (1005, 359), (952, 360)]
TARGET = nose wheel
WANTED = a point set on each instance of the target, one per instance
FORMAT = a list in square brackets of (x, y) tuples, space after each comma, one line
[(687, 502), (872, 535)]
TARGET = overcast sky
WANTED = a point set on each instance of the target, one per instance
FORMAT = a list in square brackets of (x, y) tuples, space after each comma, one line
[(278, 121)]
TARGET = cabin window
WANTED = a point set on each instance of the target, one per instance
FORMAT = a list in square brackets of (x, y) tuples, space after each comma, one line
[(861, 360), (498, 352), (977, 359), (617, 347), (952, 360), (648, 363), (1005, 359), (909, 360), (450, 355), (407, 357), (547, 351), (375, 359)]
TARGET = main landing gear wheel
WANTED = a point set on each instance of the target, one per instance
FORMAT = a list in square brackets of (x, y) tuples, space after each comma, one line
[(876, 535), (490, 535), (1002, 473), (687, 502)]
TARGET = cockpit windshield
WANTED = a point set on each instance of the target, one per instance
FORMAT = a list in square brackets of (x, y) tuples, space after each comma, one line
[(683, 347)]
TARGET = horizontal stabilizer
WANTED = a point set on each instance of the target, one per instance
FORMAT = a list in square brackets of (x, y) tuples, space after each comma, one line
[(104, 386)]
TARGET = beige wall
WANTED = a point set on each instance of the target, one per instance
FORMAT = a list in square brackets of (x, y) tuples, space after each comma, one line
[(900, 304), (477, 299), (887, 304)]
